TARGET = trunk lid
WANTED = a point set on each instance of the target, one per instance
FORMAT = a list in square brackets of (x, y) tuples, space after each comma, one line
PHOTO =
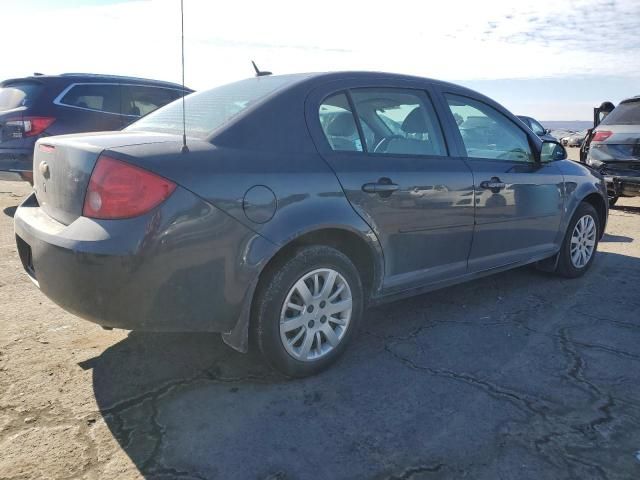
[(62, 167)]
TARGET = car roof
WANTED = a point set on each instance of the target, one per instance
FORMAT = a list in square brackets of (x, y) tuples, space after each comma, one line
[(95, 77), (635, 98)]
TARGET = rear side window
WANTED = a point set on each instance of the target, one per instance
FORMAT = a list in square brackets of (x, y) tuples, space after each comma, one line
[(339, 125), (18, 94), (487, 133), (139, 101), (209, 110), (404, 121), (627, 113), (99, 97)]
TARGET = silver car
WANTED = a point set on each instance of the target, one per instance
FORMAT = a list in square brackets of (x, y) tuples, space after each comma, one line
[(615, 150)]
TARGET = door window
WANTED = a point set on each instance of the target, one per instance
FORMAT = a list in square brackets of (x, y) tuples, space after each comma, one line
[(487, 133), (339, 125), (100, 97), (537, 128), (401, 121)]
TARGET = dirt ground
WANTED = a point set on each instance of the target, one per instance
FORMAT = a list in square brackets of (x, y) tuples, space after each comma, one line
[(520, 375)]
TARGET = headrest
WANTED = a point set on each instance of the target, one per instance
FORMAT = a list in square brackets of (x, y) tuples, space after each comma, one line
[(342, 125), (415, 122)]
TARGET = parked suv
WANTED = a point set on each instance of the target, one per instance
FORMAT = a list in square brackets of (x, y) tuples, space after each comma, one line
[(44, 105), (615, 150)]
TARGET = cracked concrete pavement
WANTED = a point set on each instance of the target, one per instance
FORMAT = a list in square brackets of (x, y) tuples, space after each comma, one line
[(520, 375)]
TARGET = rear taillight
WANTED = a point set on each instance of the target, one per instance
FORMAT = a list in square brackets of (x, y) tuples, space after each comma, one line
[(601, 135), (119, 190), (29, 126)]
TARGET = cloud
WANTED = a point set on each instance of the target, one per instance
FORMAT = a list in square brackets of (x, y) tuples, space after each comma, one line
[(461, 40)]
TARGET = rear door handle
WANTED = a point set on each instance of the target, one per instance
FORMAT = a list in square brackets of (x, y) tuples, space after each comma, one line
[(495, 185), (384, 187)]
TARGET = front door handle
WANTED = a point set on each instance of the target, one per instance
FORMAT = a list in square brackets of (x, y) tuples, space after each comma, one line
[(383, 187), (495, 185)]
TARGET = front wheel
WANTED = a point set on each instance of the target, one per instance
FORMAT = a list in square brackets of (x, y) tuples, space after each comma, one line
[(307, 310), (580, 242)]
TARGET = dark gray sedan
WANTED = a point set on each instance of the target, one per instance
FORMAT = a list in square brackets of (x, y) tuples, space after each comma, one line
[(300, 201)]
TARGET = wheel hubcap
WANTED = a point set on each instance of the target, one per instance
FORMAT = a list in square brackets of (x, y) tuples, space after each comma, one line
[(316, 314), (583, 241)]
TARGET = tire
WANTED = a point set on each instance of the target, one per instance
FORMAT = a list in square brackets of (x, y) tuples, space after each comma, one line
[(613, 200), (281, 287), (575, 266)]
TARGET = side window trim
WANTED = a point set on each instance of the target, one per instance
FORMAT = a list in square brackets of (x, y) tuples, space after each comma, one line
[(68, 88), (356, 117), (444, 93)]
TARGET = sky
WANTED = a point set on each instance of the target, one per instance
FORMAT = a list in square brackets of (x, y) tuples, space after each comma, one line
[(550, 59)]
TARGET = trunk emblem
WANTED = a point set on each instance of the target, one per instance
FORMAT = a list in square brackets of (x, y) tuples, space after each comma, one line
[(44, 169)]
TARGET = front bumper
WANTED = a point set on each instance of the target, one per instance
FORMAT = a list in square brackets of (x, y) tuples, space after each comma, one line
[(185, 266)]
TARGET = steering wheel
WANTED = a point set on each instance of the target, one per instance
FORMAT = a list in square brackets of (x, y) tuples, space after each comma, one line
[(384, 141)]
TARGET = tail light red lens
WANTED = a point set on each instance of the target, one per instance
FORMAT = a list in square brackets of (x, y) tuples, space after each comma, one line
[(601, 135), (30, 126), (120, 190)]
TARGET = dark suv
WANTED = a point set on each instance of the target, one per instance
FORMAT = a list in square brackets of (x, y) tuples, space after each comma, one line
[(44, 105)]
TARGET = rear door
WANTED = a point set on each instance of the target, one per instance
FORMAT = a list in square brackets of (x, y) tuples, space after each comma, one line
[(518, 200), (392, 161)]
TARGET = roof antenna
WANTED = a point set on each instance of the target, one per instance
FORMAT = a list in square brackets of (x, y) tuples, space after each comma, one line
[(185, 149), (259, 73)]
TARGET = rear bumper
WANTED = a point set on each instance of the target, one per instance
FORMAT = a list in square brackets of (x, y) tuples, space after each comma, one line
[(623, 186), (185, 266), (16, 164)]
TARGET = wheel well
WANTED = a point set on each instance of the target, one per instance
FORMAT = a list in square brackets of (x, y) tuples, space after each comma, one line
[(597, 202), (349, 243)]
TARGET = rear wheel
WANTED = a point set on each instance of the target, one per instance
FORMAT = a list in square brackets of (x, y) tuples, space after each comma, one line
[(580, 242), (307, 310)]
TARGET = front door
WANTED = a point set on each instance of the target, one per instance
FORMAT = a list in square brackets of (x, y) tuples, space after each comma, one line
[(392, 161), (518, 199)]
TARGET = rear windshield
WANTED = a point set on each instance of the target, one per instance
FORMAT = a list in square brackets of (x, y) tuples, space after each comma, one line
[(208, 110), (627, 113), (19, 94)]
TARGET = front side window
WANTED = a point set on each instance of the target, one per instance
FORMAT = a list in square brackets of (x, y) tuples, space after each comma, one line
[(487, 133), (402, 121), (339, 125), (537, 128), (100, 97)]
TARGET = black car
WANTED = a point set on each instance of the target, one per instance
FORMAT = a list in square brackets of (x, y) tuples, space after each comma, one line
[(537, 128), (43, 105), (615, 150), (298, 201)]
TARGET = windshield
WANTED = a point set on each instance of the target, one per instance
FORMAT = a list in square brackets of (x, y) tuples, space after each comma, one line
[(20, 94), (627, 113), (208, 110)]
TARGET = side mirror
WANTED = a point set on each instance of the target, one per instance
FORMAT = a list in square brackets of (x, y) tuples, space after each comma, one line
[(547, 131), (552, 151)]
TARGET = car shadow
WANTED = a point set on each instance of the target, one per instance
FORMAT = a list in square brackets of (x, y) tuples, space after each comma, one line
[(626, 209), (10, 211), (455, 383), (607, 237)]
